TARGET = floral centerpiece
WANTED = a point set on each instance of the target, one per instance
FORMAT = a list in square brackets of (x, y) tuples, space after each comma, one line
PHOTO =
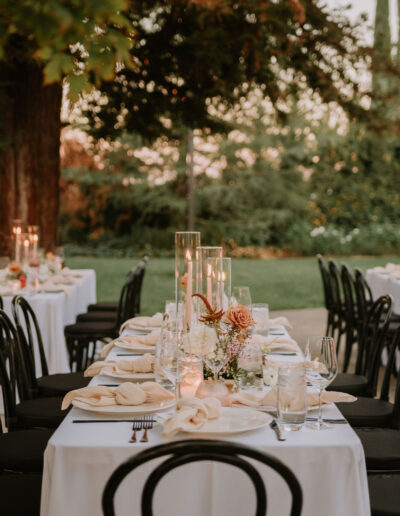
[(16, 272), (220, 338)]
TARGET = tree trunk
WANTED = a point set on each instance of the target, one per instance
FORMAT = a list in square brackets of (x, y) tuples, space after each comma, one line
[(29, 152)]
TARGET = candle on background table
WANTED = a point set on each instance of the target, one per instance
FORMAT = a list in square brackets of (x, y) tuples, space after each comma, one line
[(17, 232), (26, 249), (35, 239), (209, 288), (189, 287)]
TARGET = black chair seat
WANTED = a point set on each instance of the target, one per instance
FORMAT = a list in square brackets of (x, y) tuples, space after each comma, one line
[(384, 494), (60, 384), (354, 384), (22, 450), (20, 494), (381, 447), (367, 412), (40, 412), (101, 329), (98, 316), (103, 307)]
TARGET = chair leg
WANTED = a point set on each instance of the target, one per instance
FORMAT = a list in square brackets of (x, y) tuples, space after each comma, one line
[(348, 347)]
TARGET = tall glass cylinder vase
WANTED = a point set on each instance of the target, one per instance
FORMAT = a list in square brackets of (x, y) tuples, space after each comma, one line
[(34, 241), (17, 229), (186, 243), (221, 281), (204, 275), (25, 248)]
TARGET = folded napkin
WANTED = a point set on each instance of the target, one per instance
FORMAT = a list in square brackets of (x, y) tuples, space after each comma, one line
[(280, 321), (395, 274), (141, 364), (389, 268), (132, 341), (125, 394), (155, 321), (254, 399), (53, 287), (276, 343), (191, 413)]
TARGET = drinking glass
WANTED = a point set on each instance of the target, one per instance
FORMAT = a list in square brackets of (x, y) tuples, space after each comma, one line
[(241, 296), (250, 363), (216, 360), (321, 368), (174, 315), (160, 376), (170, 355), (260, 313), (292, 401)]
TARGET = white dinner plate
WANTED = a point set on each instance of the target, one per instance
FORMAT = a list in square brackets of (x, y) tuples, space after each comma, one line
[(126, 410), (138, 377), (140, 348), (233, 421)]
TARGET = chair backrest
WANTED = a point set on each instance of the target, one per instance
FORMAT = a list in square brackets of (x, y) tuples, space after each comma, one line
[(141, 270), (12, 370), (373, 339), (1, 303), (184, 452), (348, 285), (126, 304), (363, 294), (326, 282), (335, 280), (30, 338), (393, 346)]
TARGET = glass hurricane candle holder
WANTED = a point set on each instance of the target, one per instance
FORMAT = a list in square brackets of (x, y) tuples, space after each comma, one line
[(186, 243), (220, 281), (17, 228), (25, 248), (33, 232)]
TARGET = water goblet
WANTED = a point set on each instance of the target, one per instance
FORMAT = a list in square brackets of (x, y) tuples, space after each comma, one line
[(241, 296), (321, 368)]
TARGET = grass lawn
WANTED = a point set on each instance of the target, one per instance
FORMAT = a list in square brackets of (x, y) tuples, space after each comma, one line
[(284, 283)]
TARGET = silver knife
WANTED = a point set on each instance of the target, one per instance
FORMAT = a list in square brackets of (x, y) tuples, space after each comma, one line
[(277, 429)]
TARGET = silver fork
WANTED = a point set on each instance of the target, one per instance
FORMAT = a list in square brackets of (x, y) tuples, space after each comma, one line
[(147, 425), (137, 425)]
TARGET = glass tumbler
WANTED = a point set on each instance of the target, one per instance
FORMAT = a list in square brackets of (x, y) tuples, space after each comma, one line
[(292, 400), (260, 313), (250, 363)]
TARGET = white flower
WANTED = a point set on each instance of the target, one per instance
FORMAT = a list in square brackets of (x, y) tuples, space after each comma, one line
[(270, 376), (201, 340)]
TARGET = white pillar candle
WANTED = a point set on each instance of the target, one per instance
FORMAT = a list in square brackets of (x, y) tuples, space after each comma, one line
[(26, 250), (35, 239), (17, 244), (209, 288), (189, 287)]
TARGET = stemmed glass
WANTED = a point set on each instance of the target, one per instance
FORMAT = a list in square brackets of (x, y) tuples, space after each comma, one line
[(216, 361), (170, 355), (241, 296), (321, 368)]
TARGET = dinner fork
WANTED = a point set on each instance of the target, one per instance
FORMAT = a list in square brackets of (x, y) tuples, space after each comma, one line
[(137, 425), (148, 424)]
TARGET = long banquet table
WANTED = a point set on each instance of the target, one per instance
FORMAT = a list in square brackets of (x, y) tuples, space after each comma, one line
[(384, 283), (54, 310), (80, 458)]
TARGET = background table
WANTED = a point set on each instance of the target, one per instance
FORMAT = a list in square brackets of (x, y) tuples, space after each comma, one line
[(56, 310), (80, 458), (381, 284)]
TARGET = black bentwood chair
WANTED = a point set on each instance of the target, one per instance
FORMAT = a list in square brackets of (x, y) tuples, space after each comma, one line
[(30, 412), (328, 299), (363, 382), (180, 453), (30, 338), (81, 335)]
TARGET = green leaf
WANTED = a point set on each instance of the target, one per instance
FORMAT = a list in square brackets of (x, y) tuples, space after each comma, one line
[(76, 85)]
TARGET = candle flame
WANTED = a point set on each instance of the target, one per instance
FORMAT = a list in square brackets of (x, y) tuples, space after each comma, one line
[(209, 270), (223, 276), (35, 238), (17, 230), (26, 243), (188, 256)]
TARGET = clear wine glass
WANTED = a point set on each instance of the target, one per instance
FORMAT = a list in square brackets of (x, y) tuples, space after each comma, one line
[(321, 368), (216, 361), (170, 354), (241, 296)]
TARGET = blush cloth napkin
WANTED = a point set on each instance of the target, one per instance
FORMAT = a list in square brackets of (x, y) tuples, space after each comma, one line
[(141, 364), (132, 342), (387, 269), (276, 343), (127, 393), (155, 321), (191, 414), (280, 321), (270, 398)]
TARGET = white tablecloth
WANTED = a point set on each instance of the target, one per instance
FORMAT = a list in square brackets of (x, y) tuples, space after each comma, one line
[(80, 458), (383, 284), (56, 310)]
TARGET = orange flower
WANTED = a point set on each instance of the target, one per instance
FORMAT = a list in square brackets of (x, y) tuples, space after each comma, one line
[(184, 280), (239, 317), (14, 268)]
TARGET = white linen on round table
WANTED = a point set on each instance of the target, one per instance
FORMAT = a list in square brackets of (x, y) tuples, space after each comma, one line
[(381, 284), (54, 311), (80, 458)]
